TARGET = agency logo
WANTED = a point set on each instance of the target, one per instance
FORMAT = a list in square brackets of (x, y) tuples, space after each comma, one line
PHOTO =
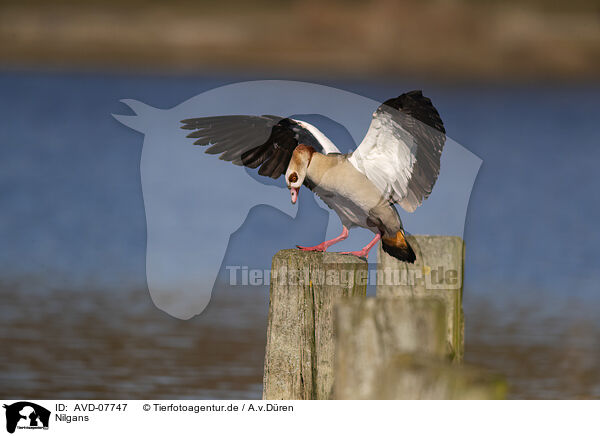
[(26, 415)]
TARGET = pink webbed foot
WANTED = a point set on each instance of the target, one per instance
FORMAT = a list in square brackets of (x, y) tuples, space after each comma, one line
[(326, 244), (364, 253)]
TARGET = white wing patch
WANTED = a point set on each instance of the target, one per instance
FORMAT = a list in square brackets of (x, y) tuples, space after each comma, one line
[(328, 146), (387, 156)]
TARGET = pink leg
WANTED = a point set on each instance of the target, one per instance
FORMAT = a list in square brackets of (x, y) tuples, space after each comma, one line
[(365, 251), (325, 245)]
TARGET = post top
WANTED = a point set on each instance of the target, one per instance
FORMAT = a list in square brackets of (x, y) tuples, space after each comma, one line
[(318, 257)]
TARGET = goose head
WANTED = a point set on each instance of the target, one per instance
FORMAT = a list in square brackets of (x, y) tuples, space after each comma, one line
[(296, 171)]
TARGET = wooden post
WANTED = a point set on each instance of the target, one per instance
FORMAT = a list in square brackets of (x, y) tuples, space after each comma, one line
[(437, 272), (371, 332), (299, 357), (396, 348), (419, 377)]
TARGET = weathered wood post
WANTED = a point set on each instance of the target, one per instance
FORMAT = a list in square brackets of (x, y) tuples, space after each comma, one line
[(305, 286), (396, 348), (370, 332), (437, 273), (419, 377)]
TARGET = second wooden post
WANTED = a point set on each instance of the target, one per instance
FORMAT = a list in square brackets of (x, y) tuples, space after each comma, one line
[(437, 273)]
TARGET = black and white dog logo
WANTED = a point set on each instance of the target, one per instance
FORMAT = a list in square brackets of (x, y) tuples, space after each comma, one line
[(26, 415)]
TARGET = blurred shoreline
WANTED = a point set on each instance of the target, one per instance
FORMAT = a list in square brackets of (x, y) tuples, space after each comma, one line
[(437, 40)]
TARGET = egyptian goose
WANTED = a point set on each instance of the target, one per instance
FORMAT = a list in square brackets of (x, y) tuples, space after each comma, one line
[(398, 161)]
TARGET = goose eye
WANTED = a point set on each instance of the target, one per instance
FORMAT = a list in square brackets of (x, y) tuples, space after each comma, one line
[(293, 178)]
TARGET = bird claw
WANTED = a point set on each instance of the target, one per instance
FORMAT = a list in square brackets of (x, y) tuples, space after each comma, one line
[(315, 248), (362, 254)]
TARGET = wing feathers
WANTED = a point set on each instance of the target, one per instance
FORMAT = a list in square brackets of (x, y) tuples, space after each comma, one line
[(267, 141), (401, 151)]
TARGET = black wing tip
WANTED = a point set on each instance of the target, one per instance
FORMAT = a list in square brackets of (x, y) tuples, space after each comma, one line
[(402, 100), (188, 123), (272, 156), (415, 104), (192, 124)]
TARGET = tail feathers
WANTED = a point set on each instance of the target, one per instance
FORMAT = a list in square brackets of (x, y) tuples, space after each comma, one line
[(398, 247)]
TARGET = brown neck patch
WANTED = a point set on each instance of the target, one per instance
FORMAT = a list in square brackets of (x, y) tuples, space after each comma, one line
[(302, 152)]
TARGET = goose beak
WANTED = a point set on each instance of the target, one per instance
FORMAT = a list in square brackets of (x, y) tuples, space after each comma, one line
[(294, 192)]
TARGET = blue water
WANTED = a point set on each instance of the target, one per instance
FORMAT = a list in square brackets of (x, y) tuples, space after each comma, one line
[(72, 227), (72, 211)]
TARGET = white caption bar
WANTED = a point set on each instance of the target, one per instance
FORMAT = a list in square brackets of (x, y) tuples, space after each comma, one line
[(153, 417)]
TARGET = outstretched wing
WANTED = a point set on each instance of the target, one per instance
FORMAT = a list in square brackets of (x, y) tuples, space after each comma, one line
[(401, 151), (267, 141)]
